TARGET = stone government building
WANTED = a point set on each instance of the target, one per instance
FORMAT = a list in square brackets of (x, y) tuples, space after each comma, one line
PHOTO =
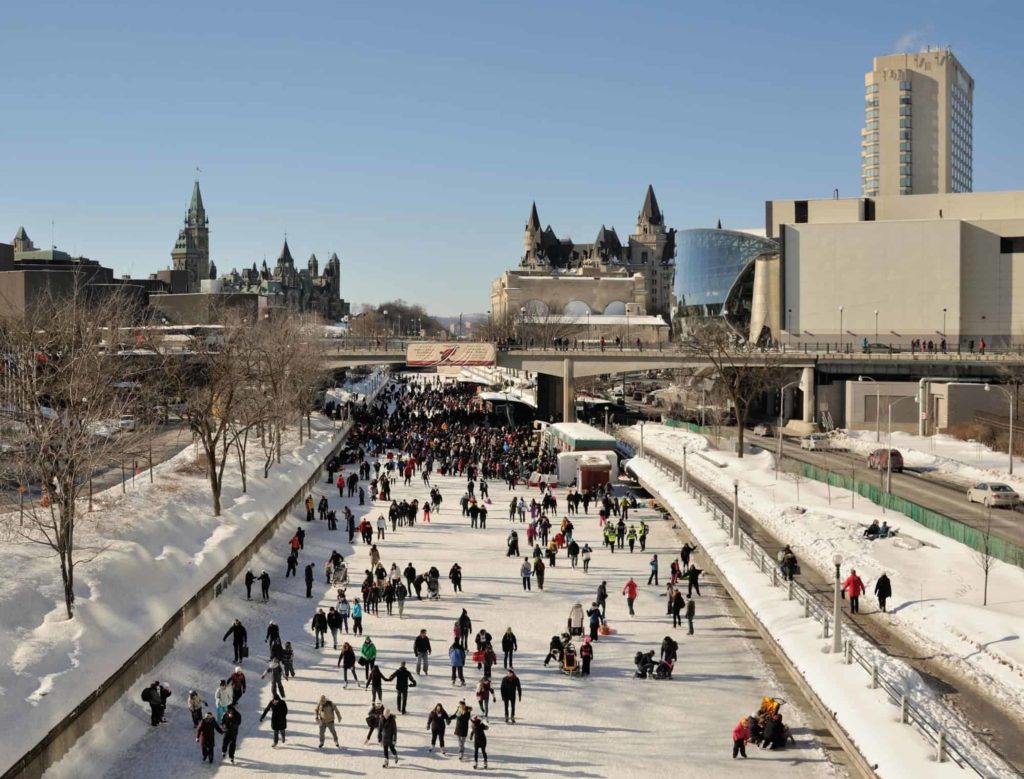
[(188, 292)]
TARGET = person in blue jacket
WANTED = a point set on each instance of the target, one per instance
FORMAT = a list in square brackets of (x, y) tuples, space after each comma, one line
[(457, 656)]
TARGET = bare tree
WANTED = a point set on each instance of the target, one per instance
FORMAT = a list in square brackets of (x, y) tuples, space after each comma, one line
[(983, 554), (75, 401), (742, 372)]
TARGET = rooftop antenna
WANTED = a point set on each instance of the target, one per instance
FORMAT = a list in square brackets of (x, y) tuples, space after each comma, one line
[(53, 243)]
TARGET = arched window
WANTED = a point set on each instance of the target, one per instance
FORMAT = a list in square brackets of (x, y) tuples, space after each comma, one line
[(536, 308), (576, 308), (615, 308)]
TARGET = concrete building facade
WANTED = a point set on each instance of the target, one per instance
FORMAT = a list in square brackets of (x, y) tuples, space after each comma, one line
[(918, 125), (890, 270)]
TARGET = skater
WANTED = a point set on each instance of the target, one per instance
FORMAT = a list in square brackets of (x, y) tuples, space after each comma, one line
[(602, 598), (630, 591), (222, 698), (375, 682), (373, 720), (278, 710), (309, 580), (237, 680), (455, 574), (388, 735), (421, 649), (654, 571), (538, 571), (357, 618), (457, 657), (205, 729), (575, 621), (347, 662), (585, 553), (509, 646), (510, 688), (465, 628), (368, 655), (685, 552), (883, 590), (586, 655), (250, 577), (691, 610), (594, 615), (333, 624), (276, 671), (319, 629), (195, 706), (239, 640), (403, 680), (479, 736), (740, 734), (231, 721), (526, 571), (676, 603), (691, 580), (854, 586), (462, 716), (156, 696), (265, 585), (288, 660), (326, 715), (436, 723)]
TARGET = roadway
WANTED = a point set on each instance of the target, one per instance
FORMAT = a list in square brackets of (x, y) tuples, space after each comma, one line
[(933, 490)]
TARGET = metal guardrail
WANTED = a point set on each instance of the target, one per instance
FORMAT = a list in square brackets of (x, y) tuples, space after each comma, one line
[(946, 746)]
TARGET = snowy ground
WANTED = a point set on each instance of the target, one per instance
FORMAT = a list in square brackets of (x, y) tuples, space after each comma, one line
[(609, 725), (937, 582), (164, 543), (963, 462)]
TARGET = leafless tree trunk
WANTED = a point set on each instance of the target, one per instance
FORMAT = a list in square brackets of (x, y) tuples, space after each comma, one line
[(983, 555), (77, 385)]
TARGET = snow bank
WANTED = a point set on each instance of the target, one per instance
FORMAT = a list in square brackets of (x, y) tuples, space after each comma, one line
[(866, 714)]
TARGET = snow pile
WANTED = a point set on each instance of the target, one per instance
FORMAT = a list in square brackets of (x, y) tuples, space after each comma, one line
[(963, 462), (867, 715), (163, 544), (936, 581), (610, 725)]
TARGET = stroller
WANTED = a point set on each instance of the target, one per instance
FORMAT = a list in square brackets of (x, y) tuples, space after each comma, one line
[(433, 589), (570, 662)]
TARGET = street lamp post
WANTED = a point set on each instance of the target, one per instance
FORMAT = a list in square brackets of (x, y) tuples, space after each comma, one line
[(837, 640), (876, 325), (1011, 399), (641, 437), (888, 443), (878, 410), (944, 323), (782, 405), (841, 328), (736, 512), (789, 326)]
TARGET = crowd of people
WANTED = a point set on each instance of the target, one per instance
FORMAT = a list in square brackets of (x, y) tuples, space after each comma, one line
[(408, 433)]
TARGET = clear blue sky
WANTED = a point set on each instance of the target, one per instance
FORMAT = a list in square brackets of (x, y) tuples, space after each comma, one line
[(412, 137)]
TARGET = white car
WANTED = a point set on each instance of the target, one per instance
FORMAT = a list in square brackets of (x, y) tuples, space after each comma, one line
[(992, 493), (815, 442), (127, 423)]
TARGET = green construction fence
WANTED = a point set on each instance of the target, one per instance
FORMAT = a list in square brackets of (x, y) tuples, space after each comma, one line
[(693, 427), (975, 538)]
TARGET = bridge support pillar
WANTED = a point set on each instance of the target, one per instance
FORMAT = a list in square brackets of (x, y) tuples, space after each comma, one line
[(568, 392), (807, 387)]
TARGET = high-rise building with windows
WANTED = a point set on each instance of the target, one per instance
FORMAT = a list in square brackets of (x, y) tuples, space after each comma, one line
[(917, 137)]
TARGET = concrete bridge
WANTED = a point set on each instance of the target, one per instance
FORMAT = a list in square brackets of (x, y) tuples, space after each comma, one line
[(557, 369)]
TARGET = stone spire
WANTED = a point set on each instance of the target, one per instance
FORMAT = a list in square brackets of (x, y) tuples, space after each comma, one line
[(533, 223), (650, 213), (196, 212)]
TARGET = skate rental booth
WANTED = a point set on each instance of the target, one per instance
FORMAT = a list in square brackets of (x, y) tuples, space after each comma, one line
[(585, 454)]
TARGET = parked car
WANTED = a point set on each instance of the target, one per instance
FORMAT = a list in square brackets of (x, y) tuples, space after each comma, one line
[(993, 493), (815, 442), (762, 429), (882, 459)]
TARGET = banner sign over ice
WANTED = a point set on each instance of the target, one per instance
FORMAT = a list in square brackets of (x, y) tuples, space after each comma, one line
[(456, 354)]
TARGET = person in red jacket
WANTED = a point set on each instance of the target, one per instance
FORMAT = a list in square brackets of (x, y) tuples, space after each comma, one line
[(854, 587), (740, 734), (630, 592)]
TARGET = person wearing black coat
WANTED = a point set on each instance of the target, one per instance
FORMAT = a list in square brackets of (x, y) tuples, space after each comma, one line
[(278, 717), (436, 723), (319, 628), (231, 721), (676, 607), (421, 648), (250, 577), (273, 634), (347, 662), (509, 645), (883, 590), (388, 735), (403, 680), (691, 578), (156, 696), (375, 681), (465, 628), (455, 574), (309, 580), (239, 638), (510, 689), (479, 736), (204, 735)]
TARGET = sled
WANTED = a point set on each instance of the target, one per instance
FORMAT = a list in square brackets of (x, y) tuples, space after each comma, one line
[(606, 630)]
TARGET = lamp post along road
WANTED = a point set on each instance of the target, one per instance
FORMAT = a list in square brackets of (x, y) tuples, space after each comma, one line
[(736, 512), (841, 339), (1011, 399), (876, 325), (837, 612), (782, 406)]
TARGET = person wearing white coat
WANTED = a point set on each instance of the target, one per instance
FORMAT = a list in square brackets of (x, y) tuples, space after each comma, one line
[(576, 620)]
